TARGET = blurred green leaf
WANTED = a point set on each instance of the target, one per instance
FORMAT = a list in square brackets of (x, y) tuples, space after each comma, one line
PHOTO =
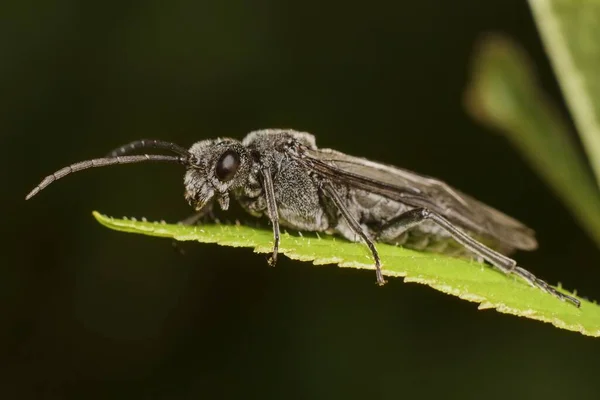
[(570, 30), (468, 280), (504, 95)]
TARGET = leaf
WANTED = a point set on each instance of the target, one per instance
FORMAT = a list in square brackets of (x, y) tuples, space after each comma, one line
[(468, 280), (570, 32), (504, 95)]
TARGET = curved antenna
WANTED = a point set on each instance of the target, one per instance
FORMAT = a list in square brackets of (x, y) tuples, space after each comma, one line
[(149, 144), (104, 162)]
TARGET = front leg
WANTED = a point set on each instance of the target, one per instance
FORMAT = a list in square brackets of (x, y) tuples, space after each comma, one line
[(271, 211), (207, 213), (414, 217)]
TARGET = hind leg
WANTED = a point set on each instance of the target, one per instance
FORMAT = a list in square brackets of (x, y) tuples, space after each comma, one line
[(414, 217)]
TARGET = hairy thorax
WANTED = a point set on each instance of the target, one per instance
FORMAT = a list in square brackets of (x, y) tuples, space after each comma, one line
[(296, 194)]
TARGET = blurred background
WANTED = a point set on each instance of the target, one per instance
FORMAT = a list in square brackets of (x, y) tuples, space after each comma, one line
[(91, 313)]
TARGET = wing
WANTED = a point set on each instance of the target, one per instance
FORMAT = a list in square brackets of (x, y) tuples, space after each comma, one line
[(418, 191)]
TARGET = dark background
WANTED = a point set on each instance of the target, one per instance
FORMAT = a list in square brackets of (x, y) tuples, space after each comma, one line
[(91, 313)]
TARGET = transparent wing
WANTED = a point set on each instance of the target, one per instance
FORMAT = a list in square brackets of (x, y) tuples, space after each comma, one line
[(419, 191)]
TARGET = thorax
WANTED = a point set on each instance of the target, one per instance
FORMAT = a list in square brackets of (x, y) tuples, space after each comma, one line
[(296, 193)]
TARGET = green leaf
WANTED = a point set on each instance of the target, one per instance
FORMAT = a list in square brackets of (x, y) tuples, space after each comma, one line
[(504, 95), (468, 280), (570, 32)]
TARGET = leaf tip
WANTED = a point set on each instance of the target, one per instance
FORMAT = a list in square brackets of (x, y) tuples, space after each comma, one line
[(99, 217)]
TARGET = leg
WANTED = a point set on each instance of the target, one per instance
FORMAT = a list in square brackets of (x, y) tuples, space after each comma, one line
[(192, 219), (205, 212), (506, 265), (272, 211), (331, 193)]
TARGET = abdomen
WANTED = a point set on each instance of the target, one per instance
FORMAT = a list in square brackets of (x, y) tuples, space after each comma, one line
[(373, 211)]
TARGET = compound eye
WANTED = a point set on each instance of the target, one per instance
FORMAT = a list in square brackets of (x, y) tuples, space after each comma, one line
[(227, 165)]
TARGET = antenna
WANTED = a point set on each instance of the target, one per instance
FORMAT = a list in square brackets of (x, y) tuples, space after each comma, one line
[(149, 144), (184, 159)]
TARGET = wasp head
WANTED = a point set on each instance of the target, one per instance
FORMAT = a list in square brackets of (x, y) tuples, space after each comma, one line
[(217, 167)]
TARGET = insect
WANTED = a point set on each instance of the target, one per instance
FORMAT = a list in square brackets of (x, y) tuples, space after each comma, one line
[(283, 175)]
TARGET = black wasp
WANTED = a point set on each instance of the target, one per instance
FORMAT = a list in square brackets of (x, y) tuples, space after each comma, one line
[(282, 173)]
